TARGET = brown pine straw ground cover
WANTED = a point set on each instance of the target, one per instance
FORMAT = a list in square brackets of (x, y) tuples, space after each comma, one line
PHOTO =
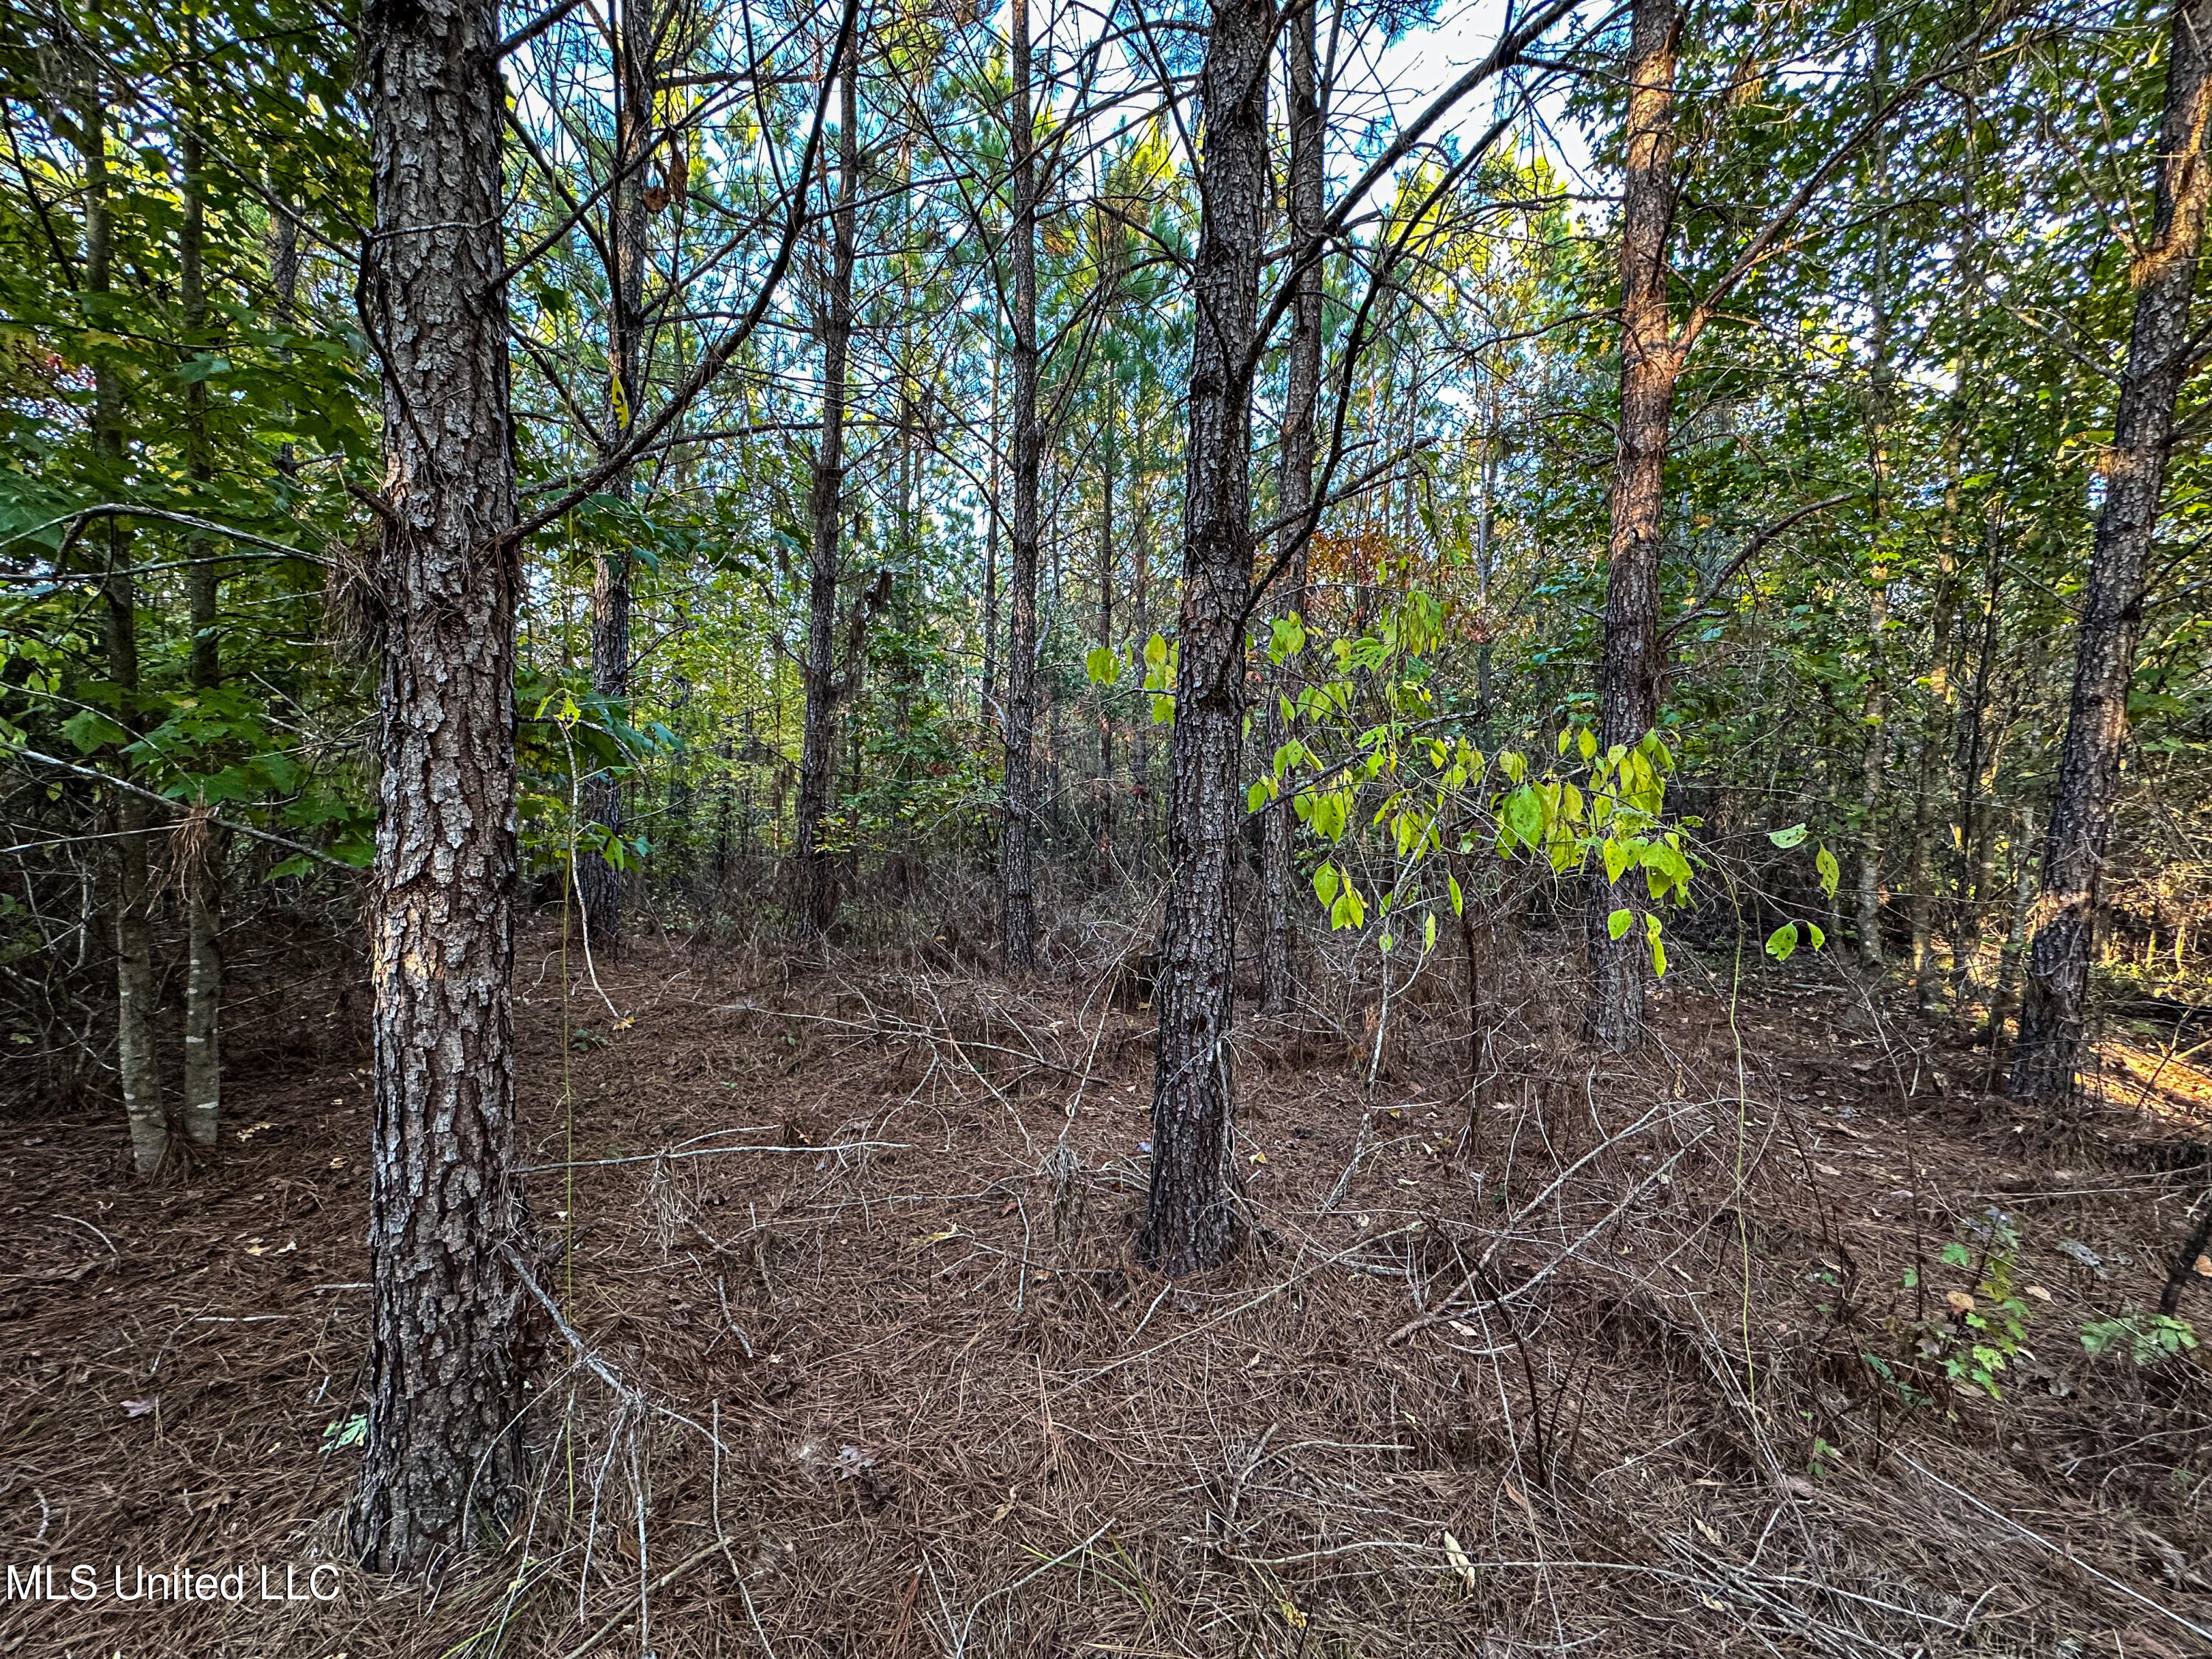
[(853, 1357)]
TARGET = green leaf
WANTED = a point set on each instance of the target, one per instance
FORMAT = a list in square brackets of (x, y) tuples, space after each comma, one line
[(1789, 837), (1429, 931), (89, 729), (1620, 922), (1664, 867), (1325, 883), (1459, 904), (1782, 943), (1258, 795), (1102, 664), (1616, 861), (1163, 710), (1586, 743), (1523, 814), (1831, 871), (1658, 946), (1814, 937)]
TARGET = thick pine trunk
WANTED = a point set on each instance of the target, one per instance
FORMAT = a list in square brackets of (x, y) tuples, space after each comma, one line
[(443, 1460), (1651, 362), (815, 872), (2160, 349), (1017, 837), (203, 874), (1301, 391), (1189, 1223), (636, 68)]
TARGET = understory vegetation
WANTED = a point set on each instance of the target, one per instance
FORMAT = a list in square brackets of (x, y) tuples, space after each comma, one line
[(1232, 827)]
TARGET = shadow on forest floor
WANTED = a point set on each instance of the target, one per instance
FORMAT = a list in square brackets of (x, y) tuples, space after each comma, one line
[(1487, 1380)]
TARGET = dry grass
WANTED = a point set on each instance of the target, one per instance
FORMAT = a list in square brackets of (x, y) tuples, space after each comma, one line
[(899, 1389)]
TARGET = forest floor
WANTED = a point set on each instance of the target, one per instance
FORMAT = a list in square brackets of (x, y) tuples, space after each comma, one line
[(1635, 1356)]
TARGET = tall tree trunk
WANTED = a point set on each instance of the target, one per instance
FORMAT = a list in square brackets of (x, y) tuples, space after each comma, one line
[(635, 67), (2004, 1002), (1977, 775), (1937, 735), (136, 1062), (991, 553), (1188, 1226), (1873, 709), (1016, 852), (203, 872), (2160, 350), (1485, 523), (1651, 362), (815, 873), (1107, 462), (1309, 131), (443, 1464), (1140, 600)]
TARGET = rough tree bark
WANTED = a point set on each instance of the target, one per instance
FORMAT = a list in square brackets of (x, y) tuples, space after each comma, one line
[(1651, 363), (1188, 1224), (2161, 350), (1017, 850), (1301, 391), (816, 874), (442, 1461), (202, 876)]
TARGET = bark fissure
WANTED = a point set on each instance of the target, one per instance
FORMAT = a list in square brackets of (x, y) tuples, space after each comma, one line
[(2160, 351), (1651, 364), (442, 1460), (1190, 1225)]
